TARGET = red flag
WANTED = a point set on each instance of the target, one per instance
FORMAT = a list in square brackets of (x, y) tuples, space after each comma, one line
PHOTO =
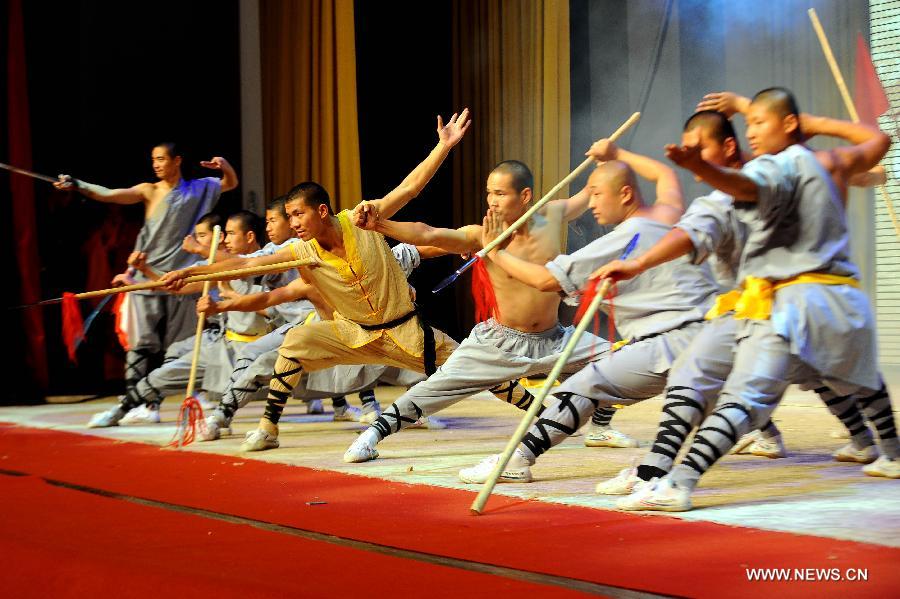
[(868, 94)]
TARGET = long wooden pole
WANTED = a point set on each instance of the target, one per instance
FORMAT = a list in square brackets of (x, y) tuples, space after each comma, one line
[(552, 193), (487, 489), (848, 103), (537, 206), (238, 273), (201, 318)]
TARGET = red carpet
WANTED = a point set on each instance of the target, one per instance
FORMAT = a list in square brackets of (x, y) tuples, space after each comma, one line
[(51, 525)]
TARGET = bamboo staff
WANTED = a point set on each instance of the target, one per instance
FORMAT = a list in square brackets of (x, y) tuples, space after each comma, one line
[(540, 204), (514, 441), (184, 414), (848, 102), (201, 319), (238, 273)]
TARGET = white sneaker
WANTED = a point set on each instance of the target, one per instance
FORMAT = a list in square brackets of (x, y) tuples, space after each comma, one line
[(347, 413), (883, 466), (216, 426), (608, 437), (429, 422), (143, 414), (516, 471), (315, 407), (110, 417), (849, 453), (259, 440), (767, 448), (625, 482), (362, 449), (662, 496)]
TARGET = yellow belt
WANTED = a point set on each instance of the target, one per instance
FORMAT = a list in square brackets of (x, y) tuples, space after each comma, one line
[(754, 301), (232, 336)]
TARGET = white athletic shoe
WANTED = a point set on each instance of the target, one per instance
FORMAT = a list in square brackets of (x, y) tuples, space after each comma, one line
[(429, 422), (143, 414), (315, 407), (608, 437), (849, 453), (216, 426), (370, 413), (347, 413), (259, 440), (766, 448), (516, 471), (110, 417), (662, 496), (883, 466), (625, 482), (363, 448)]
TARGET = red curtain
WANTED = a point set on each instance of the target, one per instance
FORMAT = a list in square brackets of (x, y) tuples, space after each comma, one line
[(22, 196)]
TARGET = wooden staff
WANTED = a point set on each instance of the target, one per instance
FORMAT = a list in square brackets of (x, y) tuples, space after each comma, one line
[(540, 204), (848, 102), (239, 273), (538, 401), (201, 319)]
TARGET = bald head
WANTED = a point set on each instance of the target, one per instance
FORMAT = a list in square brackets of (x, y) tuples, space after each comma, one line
[(617, 175)]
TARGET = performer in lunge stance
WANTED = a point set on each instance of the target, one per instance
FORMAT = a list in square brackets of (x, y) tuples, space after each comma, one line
[(172, 206), (375, 320), (217, 349), (801, 311), (657, 316), (711, 229), (293, 302), (523, 338)]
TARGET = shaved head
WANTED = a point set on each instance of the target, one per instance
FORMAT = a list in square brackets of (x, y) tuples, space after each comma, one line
[(777, 100), (617, 174)]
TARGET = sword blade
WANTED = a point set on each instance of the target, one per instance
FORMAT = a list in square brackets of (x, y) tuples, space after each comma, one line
[(28, 173)]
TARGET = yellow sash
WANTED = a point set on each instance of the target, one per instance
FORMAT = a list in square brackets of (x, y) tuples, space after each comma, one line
[(754, 302), (232, 336)]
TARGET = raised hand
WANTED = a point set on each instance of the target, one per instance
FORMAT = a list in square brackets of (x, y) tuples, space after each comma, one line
[(191, 245), (365, 215), (618, 270), (603, 150), (687, 156), (216, 163), (491, 227), (725, 102), (451, 133)]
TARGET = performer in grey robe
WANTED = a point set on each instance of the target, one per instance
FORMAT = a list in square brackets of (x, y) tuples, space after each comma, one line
[(172, 206), (710, 229), (818, 324)]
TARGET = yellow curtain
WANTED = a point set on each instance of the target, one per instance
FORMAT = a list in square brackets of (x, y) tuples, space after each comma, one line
[(511, 68), (310, 125)]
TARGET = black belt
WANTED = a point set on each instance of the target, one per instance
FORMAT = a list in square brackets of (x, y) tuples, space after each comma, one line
[(430, 354)]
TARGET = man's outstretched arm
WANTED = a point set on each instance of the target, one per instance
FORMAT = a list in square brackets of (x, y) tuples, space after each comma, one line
[(448, 136)]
